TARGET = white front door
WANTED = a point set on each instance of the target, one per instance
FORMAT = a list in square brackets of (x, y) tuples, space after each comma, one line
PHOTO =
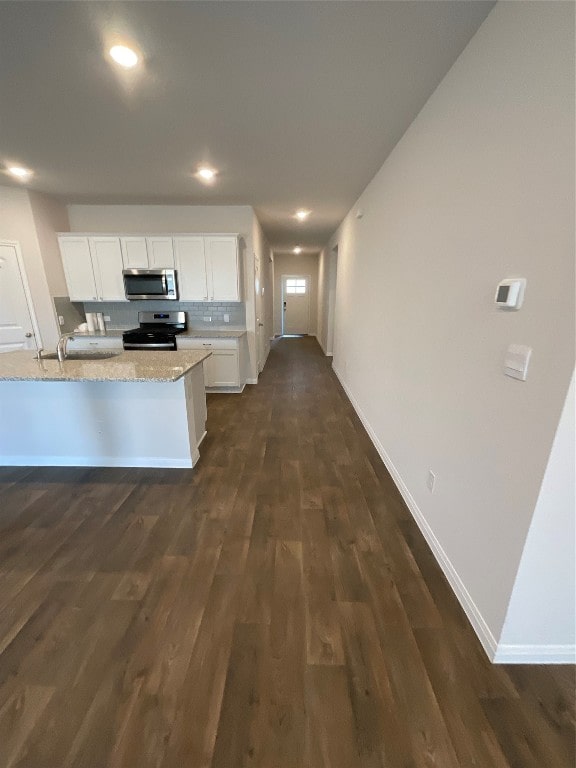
[(296, 304), (16, 327)]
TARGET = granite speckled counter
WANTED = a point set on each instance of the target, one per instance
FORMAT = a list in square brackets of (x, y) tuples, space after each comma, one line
[(193, 334), (134, 409), (138, 366), (232, 333)]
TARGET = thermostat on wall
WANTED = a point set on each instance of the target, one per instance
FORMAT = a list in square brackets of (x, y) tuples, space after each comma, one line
[(510, 293)]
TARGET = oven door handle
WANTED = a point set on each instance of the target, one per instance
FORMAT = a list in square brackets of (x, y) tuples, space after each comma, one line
[(150, 346)]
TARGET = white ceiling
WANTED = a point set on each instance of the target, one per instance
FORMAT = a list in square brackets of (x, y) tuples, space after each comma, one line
[(296, 103)]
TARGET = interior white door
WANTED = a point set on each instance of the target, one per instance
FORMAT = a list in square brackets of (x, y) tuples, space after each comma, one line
[(16, 327), (296, 304)]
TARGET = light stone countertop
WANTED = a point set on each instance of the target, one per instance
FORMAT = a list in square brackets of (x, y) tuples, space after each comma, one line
[(126, 366), (195, 334), (191, 333)]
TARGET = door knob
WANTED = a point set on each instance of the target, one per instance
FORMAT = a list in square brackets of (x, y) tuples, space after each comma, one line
[(28, 335)]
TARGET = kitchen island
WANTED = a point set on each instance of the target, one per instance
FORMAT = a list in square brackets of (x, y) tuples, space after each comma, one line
[(133, 409)]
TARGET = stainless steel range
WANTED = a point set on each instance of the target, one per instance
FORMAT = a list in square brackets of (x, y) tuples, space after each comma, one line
[(157, 331)]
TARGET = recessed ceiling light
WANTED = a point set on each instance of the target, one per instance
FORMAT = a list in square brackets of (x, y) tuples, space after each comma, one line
[(206, 174), (19, 172), (301, 215), (297, 249), (124, 56)]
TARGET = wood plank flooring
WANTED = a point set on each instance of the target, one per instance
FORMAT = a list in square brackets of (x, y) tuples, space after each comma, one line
[(275, 607)]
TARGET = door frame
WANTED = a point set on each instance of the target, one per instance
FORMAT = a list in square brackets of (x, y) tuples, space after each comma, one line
[(27, 293), (258, 307), (332, 283), (308, 284)]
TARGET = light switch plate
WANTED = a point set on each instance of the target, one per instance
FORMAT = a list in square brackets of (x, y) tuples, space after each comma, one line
[(516, 362)]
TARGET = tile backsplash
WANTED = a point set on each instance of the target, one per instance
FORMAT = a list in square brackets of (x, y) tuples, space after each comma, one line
[(125, 314)]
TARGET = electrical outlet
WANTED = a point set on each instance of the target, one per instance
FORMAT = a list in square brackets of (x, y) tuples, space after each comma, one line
[(207, 319), (226, 318), (431, 480), (106, 318), (61, 319)]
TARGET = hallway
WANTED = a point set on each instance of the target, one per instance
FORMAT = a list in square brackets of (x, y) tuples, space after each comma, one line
[(275, 607)]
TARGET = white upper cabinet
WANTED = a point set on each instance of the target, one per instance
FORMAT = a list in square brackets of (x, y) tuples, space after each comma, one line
[(222, 267), (77, 261), (208, 265), (191, 267), (134, 252), (147, 252), (107, 263), (160, 252), (93, 268)]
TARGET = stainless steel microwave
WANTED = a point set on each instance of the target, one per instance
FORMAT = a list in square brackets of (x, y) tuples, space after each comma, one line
[(143, 284)]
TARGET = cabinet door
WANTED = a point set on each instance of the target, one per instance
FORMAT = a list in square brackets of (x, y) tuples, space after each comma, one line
[(107, 259), (134, 252), (224, 368), (78, 270), (191, 266), (160, 252), (222, 266)]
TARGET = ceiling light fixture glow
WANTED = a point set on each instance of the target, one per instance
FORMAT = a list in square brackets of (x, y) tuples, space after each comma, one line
[(206, 174), (124, 56), (302, 214), (19, 172), (297, 249)]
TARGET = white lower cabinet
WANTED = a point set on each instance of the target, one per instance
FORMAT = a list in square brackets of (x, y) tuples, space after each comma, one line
[(222, 368), (82, 343)]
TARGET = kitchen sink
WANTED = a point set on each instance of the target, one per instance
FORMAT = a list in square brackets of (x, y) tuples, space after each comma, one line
[(83, 356)]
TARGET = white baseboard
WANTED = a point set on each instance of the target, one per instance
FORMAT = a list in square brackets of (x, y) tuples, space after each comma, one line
[(535, 654), (226, 390), (162, 462), (251, 381), (497, 653), (471, 609)]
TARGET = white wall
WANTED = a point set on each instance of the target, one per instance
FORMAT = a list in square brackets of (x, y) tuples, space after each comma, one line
[(17, 223), (292, 264), (142, 219), (481, 187), (542, 611), (50, 217)]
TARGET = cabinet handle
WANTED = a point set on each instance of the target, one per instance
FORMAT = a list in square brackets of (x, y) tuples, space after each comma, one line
[(28, 335)]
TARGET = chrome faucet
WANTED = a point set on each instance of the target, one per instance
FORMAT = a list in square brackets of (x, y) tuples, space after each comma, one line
[(61, 348)]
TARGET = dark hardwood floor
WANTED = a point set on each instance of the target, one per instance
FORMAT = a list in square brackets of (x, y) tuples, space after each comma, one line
[(275, 607)]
